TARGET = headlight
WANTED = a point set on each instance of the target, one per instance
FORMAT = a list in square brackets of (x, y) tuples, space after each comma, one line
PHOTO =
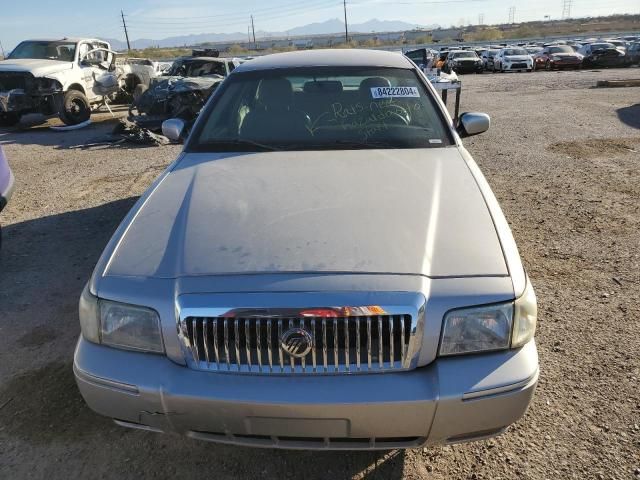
[(120, 325), (477, 329), (491, 327)]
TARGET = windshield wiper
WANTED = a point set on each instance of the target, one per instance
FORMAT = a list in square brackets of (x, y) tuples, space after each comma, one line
[(242, 143)]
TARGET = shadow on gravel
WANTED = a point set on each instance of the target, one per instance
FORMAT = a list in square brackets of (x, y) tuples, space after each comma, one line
[(44, 264), (630, 115), (44, 136)]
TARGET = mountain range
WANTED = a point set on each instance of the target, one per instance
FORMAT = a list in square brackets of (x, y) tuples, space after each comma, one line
[(333, 25)]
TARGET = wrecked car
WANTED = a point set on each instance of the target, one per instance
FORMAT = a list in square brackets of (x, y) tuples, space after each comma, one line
[(133, 72), (6, 184), (602, 54), (181, 92), (65, 77)]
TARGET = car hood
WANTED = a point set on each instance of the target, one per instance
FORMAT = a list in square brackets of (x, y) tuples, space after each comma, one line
[(415, 211), (38, 68)]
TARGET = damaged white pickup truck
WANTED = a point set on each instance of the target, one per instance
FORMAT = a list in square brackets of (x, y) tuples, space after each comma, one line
[(64, 77)]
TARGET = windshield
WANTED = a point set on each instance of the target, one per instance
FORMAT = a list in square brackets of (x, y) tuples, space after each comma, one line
[(464, 55), (561, 50), (61, 50), (601, 46), (197, 68), (318, 108), (515, 51)]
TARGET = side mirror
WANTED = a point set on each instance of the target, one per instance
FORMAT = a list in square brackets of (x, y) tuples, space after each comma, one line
[(173, 129), (473, 124)]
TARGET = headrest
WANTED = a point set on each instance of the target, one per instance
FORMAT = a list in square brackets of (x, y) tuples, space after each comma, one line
[(372, 82), (276, 93)]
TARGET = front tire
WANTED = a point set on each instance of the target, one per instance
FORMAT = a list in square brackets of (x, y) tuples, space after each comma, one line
[(75, 108)]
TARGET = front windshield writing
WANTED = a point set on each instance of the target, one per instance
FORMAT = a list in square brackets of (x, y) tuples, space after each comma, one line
[(324, 108)]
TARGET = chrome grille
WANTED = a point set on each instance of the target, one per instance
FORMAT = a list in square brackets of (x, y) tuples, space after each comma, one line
[(354, 344)]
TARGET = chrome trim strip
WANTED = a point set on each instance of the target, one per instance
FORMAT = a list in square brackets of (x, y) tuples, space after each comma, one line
[(279, 347), (346, 344), (259, 342), (336, 362), (391, 341), (205, 336), (380, 349), (324, 343), (236, 333), (215, 342), (105, 382), (358, 339), (474, 395), (269, 346), (194, 326), (247, 336), (369, 342), (313, 350), (226, 342)]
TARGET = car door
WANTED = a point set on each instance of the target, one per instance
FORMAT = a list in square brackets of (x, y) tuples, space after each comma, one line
[(99, 72), (87, 72)]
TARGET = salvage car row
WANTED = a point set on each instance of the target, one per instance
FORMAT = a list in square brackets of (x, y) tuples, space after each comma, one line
[(542, 56), (71, 77)]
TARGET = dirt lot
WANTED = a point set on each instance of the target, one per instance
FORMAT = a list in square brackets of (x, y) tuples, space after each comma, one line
[(563, 160)]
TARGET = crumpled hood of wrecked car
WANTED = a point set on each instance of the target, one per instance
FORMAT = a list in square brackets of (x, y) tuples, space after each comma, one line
[(415, 211), (38, 68)]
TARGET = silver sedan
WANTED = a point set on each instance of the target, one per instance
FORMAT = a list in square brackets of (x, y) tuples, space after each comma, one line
[(324, 266)]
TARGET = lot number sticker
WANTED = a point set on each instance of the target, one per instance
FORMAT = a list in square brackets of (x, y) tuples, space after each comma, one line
[(394, 92)]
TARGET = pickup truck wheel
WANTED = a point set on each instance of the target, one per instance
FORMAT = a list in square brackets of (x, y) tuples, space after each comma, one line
[(9, 119), (138, 92), (75, 108)]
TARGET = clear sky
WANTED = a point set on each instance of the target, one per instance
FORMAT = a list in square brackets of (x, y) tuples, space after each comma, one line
[(159, 19)]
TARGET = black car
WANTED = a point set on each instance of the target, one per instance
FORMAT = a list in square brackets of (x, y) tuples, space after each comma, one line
[(603, 54), (463, 61)]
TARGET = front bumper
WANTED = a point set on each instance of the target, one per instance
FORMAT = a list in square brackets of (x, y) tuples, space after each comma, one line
[(471, 68), (517, 67), (451, 400), (14, 101)]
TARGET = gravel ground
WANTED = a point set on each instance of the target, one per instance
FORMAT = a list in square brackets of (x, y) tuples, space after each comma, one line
[(563, 160)]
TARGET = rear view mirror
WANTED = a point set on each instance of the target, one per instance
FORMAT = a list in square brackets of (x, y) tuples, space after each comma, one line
[(473, 124), (173, 129)]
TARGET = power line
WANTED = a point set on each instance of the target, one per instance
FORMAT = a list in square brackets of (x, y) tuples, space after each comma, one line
[(126, 33), (253, 30), (346, 25), (566, 9)]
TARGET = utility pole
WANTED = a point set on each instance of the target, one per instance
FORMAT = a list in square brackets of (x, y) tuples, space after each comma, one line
[(512, 15), (346, 26), (481, 19), (566, 9), (2, 50), (249, 33), (253, 32), (126, 33)]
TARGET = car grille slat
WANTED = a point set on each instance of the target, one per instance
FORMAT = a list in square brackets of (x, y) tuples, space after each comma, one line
[(347, 344)]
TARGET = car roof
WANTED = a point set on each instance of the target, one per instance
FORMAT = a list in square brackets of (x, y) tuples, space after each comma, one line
[(327, 58), (65, 39)]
